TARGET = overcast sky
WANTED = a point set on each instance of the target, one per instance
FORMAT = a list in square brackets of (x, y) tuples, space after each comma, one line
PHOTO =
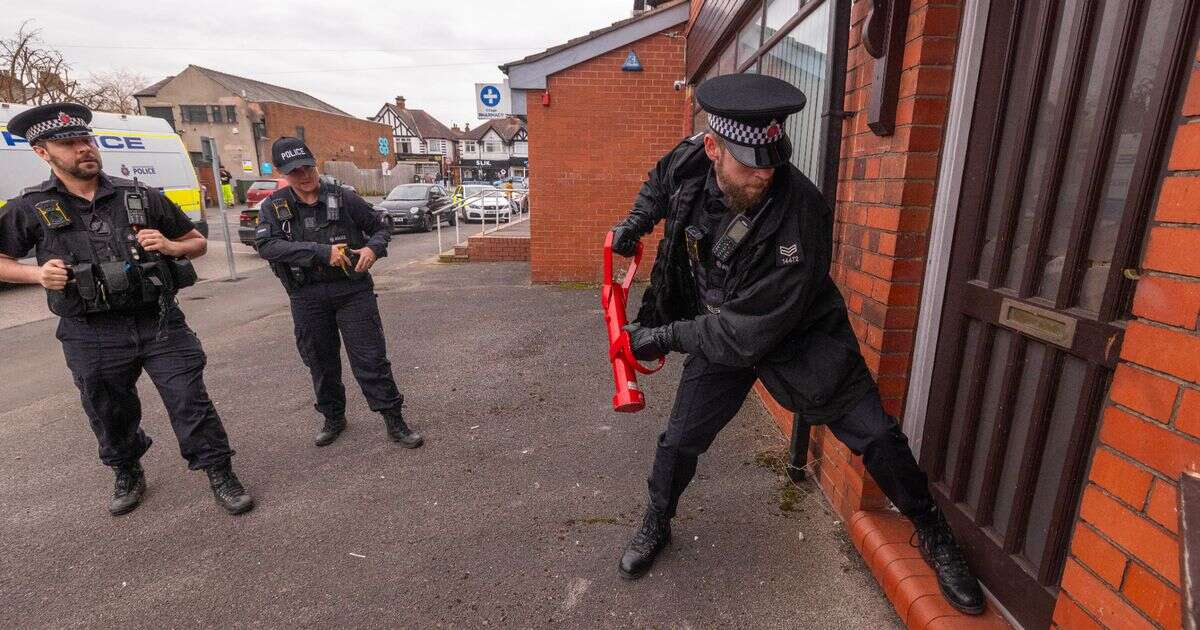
[(431, 52)]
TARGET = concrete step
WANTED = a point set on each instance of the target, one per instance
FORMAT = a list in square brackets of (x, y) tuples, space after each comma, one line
[(453, 256)]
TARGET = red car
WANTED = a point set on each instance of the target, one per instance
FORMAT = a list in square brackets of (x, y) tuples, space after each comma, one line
[(261, 189)]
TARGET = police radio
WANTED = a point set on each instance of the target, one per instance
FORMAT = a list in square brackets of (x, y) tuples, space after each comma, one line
[(333, 205), (725, 246), (135, 208)]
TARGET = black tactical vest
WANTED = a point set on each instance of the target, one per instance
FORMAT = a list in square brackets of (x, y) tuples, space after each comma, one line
[(119, 280), (328, 223)]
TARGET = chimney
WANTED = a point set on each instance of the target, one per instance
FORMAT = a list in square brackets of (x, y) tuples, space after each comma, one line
[(466, 127), (454, 127), (639, 7), (399, 102)]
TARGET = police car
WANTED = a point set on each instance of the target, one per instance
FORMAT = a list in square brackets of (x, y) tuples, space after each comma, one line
[(134, 147)]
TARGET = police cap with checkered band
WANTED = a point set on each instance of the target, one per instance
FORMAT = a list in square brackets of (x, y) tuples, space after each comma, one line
[(749, 111), (53, 121)]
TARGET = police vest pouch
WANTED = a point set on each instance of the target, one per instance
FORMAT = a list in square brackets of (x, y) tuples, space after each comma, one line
[(85, 281), (183, 271), (115, 277)]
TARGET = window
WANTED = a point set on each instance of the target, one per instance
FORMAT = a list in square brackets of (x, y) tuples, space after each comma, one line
[(490, 147), (300, 133), (778, 13), (194, 113), (470, 147), (801, 58), (405, 147), (217, 117), (230, 114), (521, 149), (165, 113), (260, 129), (749, 39)]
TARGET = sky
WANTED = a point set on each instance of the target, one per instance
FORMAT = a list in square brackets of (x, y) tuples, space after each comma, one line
[(353, 55)]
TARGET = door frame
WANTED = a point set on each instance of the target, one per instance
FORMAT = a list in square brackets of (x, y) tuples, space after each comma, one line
[(972, 32)]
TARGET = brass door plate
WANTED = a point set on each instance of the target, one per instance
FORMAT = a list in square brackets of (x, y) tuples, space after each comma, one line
[(1038, 322)]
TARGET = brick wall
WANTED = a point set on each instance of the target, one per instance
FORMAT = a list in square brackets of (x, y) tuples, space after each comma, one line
[(497, 248), (884, 204), (330, 136), (1123, 571), (590, 150)]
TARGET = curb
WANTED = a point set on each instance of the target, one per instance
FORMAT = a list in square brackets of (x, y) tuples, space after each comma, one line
[(881, 537)]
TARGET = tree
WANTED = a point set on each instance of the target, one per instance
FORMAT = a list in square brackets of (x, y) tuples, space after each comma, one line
[(113, 91), (31, 73)]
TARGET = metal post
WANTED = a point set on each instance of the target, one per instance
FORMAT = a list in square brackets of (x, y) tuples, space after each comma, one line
[(439, 231), (798, 453), (220, 195)]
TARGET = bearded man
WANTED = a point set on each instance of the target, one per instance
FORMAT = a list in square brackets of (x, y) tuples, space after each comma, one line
[(741, 285)]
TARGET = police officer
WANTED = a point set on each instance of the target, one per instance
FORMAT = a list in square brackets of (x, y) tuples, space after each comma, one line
[(321, 241), (111, 254), (741, 285)]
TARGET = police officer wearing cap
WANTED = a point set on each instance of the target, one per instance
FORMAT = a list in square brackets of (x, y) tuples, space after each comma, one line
[(741, 285), (112, 253), (322, 240)]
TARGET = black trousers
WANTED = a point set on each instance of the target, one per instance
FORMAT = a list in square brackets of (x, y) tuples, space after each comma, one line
[(322, 310), (710, 395), (107, 353)]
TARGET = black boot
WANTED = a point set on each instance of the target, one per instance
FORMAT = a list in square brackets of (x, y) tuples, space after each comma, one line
[(227, 490), (936, 541), (332, 429), (653, 536), (399, 431), (128, 489)]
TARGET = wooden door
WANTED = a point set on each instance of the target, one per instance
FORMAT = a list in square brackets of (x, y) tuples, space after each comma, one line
[(1074, 105)]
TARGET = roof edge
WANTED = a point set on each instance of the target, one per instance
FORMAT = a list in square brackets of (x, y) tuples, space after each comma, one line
[(530, 73)]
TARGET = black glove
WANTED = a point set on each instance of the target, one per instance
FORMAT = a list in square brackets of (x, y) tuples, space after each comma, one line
[(625, 240), (650, 343)]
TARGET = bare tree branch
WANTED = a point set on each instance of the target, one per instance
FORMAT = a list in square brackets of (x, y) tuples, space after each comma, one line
[(31, 73)]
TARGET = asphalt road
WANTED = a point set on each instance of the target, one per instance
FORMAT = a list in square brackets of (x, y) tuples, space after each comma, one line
[(512, 515)]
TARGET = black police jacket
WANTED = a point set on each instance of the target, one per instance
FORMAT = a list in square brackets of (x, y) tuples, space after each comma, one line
[(117, 282), (299, 247), (782, 313)]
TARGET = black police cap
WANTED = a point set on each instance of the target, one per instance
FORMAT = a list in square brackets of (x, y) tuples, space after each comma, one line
[(749, 112), (53, 121), (288, 154)]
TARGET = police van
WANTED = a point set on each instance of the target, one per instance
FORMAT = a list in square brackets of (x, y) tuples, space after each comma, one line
[(141, 147)]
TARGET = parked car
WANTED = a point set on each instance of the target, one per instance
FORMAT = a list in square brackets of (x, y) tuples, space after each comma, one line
[(247, 221), (485, 203), (417, 207), (518, 183), (263, 188)]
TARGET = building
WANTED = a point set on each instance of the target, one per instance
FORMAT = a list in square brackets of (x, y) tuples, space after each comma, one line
[(245, 116), (1018, 241), (496, 149), (597, 130), (419, 137)]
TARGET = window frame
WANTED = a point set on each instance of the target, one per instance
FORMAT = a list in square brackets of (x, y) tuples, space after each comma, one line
[(187, 114)]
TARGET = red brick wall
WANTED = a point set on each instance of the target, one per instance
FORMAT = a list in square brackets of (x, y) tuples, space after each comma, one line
[(328, 135), (1123, 571), (497, 248), (590, 150)]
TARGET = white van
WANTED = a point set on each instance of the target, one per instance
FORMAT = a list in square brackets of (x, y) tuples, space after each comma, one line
[(141, 147)]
